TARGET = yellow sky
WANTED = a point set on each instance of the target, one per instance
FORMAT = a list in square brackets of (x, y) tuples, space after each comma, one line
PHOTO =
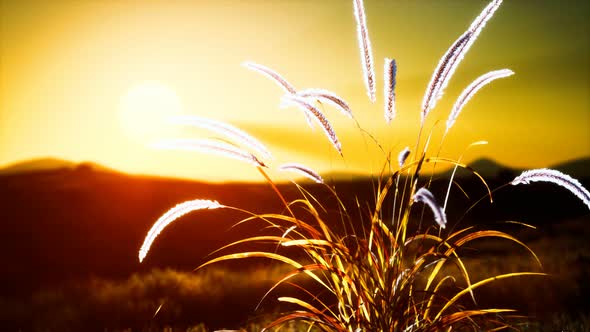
[(67, 69)]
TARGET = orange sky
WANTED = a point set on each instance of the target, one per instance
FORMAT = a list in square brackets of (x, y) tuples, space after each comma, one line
[(72, 72)]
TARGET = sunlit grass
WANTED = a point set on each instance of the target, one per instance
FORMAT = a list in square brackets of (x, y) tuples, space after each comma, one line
[(132, 303), (375, 270)]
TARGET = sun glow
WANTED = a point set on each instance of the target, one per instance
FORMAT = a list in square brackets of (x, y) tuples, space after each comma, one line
[(145, 111), (97, 81)]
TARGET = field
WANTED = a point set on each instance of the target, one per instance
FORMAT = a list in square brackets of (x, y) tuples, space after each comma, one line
[(70, 253)]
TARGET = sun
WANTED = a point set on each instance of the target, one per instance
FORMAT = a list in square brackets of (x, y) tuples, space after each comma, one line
[(145, 109)]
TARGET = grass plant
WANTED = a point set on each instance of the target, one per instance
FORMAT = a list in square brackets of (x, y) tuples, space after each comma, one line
[(380, 272)]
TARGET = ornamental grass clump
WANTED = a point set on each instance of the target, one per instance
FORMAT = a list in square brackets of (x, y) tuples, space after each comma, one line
[(380, 273)]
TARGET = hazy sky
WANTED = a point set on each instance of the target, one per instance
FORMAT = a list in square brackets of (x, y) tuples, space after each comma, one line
[(93, 80)]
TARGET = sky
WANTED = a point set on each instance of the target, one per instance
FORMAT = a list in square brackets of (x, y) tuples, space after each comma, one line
[(97, 80)]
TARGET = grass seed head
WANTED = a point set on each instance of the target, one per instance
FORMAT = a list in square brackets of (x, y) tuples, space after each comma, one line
[(425, 196), (225, 129), (327, 97), (556, 177), (315, 113), (390, 71), (210, 146), (174, 213), (451, 59), (365, 48), (470, 91), (273, 75), (403, 156), (303, 170)]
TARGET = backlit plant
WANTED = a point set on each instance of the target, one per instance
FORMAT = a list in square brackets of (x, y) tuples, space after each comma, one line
[(375, 274)]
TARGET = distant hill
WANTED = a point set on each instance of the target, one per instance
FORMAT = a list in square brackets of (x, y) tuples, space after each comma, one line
[(576, 168), (489, 168), (63, 222), (48, 164), (36, 165), (62, 219)]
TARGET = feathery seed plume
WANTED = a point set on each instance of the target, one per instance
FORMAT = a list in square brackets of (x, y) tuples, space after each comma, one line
[(556, 177), (403, 155), (450, 61), (365, 48), (313, 111), (443, 72), (210, 146), (308, 118), (425, 196), (282, 82), (327, 97), (223, 129), (390, 71), (171, 215), (486, 14), (470, 91), (303, 170)]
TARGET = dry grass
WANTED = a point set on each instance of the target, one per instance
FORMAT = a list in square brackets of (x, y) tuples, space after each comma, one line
[(375, 272)]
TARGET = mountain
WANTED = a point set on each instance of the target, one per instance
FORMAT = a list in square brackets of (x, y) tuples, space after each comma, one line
[(487, 168), (579, 168), (36, 165), (491, 169), (48, 164)]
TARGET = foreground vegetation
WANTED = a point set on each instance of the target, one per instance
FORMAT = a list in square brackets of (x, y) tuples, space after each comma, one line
[(401, 265), (225, 297)]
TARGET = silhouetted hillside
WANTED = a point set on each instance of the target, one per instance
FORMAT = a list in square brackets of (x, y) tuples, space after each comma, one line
[(578, 168), (72, 223), (48, 164), (36, 165), (82, 221)]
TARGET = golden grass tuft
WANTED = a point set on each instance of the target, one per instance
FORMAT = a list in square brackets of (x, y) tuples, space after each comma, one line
[(376, 272)]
